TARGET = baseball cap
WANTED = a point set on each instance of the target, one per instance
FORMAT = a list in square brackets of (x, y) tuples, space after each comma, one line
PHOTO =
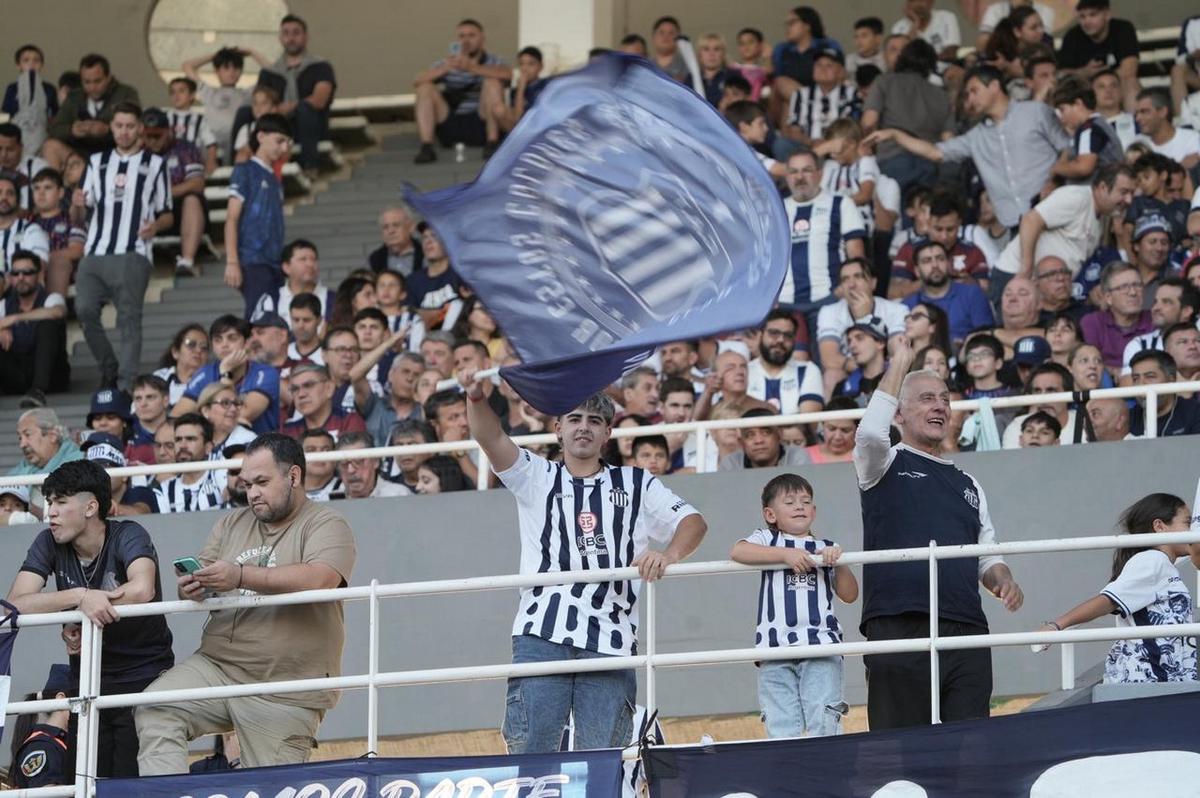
[(831, 53), (20, 491), (57, 681), (155, 118), (878, 333), (1150, 223), (109, 400), (104, 449), (1031, 350), (269, 318)]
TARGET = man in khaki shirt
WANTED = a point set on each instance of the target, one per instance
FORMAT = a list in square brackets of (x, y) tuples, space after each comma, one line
[(281, 543)]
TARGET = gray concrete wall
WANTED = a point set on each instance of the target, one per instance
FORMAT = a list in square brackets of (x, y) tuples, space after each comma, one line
[(1073, 491)]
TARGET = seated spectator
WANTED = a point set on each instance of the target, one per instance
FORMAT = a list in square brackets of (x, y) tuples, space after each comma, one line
[(1111, 330), (41, 744), (520, 97), (772, 377), (109, 412), (813, 108), (632, 43), (186, 355), (680, 359), (1182, 342), (965, 304), (1041, 77), (264, 100), (1151, 252), (1039, 429), (711, 53), (983, 356), (1110, 105), (471, 83), (476, 324), (847, 171), (121, 568), (312, 392), (934, 358), (968, 262), (1109, 419), (1020, 312), (469, 353), (391, 292), (1052, 277), (904, 99), (220, 404), (737, 89), (1067, 223), (677, 398), (927, 326), (105, 451), (761, 447), (341, 354), (868, 45), (81, 124), (1029, 352), (446, 412), (29, 102), (191, 126), (728, 380), (300, 641), (434, 290), (304, 318), (867, 345), (44, 445), (938, 26), (185, 170), (1047, 378), (1098, 42), (1087, 368), (400, 251), (1001, 9), (639, 393), (16, 164), (1175, 302), (836, 436), (1153, 115), (404, 467), (381, 410), (256, 383), (1093, 140), (1063, 333), (221, 102), (66, 238), (750, 122), (321, 480), (164, 454), (753, 63), (302, 275), (151, 401), (17, 232), (652, 453), (33, 335), (667, 53), (361, 475), (192, 490), (371, 329), (792, 59), (440, 474), (1177, 415), (619, 451), (355, 293)]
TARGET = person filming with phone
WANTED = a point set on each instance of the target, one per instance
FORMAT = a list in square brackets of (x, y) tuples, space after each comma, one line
[(281, 543), (98, 562)]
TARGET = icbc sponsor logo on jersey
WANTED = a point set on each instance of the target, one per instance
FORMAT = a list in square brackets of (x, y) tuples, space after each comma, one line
[(589, 540)]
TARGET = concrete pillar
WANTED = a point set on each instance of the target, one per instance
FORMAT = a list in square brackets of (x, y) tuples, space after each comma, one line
[(564, 30)]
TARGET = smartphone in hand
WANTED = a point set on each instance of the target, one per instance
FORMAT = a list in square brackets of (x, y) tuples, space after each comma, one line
[(187, 565)]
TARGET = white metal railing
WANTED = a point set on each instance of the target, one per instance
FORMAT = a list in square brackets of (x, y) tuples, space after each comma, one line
[(1149, 392), (91, 701)]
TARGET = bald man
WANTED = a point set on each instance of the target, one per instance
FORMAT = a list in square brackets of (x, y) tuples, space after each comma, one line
[(1020, 313), (399, 252), (910, 496), (1110, 419), (1052, 276)]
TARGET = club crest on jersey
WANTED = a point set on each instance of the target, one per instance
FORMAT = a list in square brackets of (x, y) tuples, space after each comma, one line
[(33, 764), (619, 497), (587, 522), (972, 498)]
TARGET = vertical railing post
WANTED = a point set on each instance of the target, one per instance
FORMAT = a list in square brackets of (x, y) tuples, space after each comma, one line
[(1068, 666), (372, 673), (701, 450), (1150, 413), (651, 589), (83, 739), (485, 470), (935, 671)]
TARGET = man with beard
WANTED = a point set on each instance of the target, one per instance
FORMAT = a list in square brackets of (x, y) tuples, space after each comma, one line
[(787, 386), (910, 497), (17, 232), (613, 514), (312, 390), (235, 487), (281, 543), (33, 334), (192, 490), (762, 447), (965, 304)]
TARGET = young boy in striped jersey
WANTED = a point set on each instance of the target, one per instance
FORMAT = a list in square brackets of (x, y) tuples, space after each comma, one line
[(795, 608)]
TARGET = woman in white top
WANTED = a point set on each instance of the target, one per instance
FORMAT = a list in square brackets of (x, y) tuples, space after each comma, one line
[(221, 405), (186, 355)]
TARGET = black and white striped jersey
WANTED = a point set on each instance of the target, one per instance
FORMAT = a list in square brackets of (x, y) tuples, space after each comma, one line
[(124, 193), (570, 524), (191, 127), (794, 609), (208, 493), (23, 234), (26, 169)]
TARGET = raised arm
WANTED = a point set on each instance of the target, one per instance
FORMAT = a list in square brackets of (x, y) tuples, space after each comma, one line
[(358, 374), (191, 67), (911, 143), (872, 440), (485, 424)]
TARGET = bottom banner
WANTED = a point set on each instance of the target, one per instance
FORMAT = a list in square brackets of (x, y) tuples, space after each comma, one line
[(581, 774), (1137, 748)]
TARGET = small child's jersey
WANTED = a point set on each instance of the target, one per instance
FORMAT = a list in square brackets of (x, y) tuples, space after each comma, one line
[(1150, 592), (812, 109), (846, 180), (795, 609), (190, 126)]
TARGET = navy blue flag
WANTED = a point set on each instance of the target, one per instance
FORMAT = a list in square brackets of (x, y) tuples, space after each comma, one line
[(621, 213), (1136, 748)]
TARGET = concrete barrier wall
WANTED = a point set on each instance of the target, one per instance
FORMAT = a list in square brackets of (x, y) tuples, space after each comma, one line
[(1073, 491)]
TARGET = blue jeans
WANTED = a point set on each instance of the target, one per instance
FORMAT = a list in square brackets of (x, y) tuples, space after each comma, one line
[(802, 697), (538, 707)]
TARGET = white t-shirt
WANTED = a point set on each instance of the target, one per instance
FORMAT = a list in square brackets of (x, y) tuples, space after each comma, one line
[(1184, 144), (1150, 592), (53, 300), (1126, 127), (1012, 433), (1072, 231), (941, 32), (998, 11), (833, 320)]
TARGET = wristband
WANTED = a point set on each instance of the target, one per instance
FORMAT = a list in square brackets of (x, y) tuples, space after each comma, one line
[(241, 574), (1057, 628), (479, 398)]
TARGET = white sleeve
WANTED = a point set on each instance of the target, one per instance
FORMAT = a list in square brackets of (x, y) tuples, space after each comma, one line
[(1064, 205), (901, 25), (54, 300), (528, 478), (1136, 587), (91, 181), (993, 14), (868, 169), (34, 239), (812, 387), (1196, 510), (759, 537), (852, 221), (204, 136), (1132, 348), (986, 245), (828, 326), (893, 315), (664, 507), (987, 532), (873, 452), (950, 26)]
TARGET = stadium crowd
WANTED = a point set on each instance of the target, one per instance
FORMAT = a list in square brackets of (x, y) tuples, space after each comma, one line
[(1020, 219)]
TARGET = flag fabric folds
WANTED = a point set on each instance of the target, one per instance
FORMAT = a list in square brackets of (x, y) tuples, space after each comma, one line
[(621, 213)]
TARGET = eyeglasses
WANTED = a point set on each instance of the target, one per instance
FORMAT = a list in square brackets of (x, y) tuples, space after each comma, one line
[(1126, 288), (1054, 275), (918, 317), (168, 446), (227, 403), (192, 343), (769, 333), (24, 272), (344, 350)]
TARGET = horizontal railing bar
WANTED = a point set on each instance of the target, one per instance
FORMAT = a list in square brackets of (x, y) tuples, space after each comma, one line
[(378, 452)]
